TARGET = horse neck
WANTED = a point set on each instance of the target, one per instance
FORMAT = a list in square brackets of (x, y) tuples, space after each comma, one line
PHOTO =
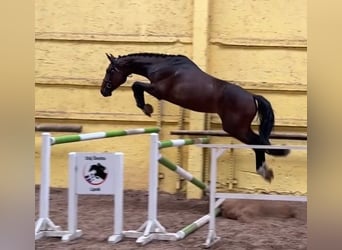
[(136, 65)]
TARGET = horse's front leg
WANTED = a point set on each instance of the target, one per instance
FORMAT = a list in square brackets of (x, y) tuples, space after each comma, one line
[(138, 90)]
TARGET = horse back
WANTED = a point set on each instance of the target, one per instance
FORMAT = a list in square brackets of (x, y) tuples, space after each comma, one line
[(192, 88)]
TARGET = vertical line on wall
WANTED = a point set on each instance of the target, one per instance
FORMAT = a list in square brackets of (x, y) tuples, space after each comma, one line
[(200, 38)]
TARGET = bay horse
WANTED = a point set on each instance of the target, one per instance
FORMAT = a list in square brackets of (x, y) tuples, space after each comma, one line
[(177, 79)]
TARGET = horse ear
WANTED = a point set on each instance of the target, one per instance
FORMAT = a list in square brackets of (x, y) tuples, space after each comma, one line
[(109, 58)]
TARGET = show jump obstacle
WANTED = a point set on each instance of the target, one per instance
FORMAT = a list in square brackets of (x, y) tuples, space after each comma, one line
[(216, 151), (151, 229), (44, 226)]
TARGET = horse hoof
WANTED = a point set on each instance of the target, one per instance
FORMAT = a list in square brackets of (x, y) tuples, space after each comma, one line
[(269, 175), (148, 109), (266, 173)]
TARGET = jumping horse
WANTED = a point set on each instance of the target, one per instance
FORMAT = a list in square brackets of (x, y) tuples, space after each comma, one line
[(177, 79)]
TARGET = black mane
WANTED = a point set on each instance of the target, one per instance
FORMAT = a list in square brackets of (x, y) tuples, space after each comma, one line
[(140, 61), (148, 54)]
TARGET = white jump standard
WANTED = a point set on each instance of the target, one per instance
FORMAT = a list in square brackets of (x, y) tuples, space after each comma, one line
[(216, 152)]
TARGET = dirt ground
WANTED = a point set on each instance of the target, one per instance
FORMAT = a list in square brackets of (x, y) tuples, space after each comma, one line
[(253, 230)]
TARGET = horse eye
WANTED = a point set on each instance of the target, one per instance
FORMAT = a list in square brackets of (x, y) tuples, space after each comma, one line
[(108, 85)]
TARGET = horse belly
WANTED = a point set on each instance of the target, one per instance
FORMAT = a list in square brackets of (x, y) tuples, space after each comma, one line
[(200, 107), (200, 102)]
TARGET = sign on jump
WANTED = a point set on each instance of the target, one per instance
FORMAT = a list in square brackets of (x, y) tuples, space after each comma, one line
[(97, 173), (100, 174)]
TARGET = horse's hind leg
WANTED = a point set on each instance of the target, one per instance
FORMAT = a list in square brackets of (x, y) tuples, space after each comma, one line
[(261, 166), (251, 138), (138, 91)]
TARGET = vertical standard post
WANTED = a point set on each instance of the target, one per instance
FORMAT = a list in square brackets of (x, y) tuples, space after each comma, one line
[(72, 195), (118, 198), (153, 178), (72, 232), (212, 192), (152, 227), (44, 226), (212, 238), (45, 176)]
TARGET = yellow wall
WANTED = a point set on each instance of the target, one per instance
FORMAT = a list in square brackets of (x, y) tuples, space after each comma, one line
[(261, 45)]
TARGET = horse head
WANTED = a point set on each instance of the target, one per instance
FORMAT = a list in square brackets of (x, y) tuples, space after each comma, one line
[(114, 77), (100, 171)]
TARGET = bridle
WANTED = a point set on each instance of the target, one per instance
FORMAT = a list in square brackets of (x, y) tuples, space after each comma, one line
[(108, 82)]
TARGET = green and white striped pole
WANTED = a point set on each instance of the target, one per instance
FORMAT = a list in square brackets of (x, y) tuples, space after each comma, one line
[(100, 135), (181, 234), (182, 142), (182, 172), (175, 168)]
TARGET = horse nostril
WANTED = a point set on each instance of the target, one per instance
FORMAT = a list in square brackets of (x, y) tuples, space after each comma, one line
[(104, 93)]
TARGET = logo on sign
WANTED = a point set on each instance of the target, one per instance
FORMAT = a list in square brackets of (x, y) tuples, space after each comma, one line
[(95, 174)]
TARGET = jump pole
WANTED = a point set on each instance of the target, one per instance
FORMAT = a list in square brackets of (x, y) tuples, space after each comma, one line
[(101, 135), (186, 175), (44, 226), (181, 234), (179, 170)]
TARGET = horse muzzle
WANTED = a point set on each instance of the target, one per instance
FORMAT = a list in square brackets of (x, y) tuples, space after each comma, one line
[(106, 93)]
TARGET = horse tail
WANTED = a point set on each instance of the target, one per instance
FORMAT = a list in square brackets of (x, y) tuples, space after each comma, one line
[(266, 117)]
